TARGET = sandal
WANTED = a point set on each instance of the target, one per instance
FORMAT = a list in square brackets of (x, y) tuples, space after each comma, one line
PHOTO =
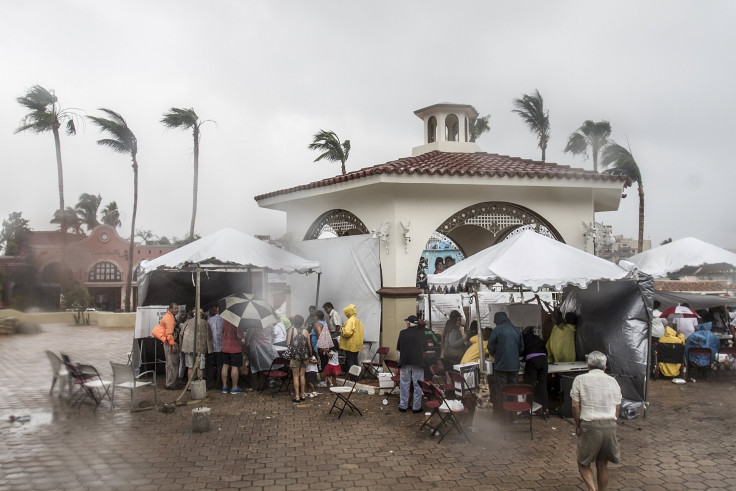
[(302, 399)]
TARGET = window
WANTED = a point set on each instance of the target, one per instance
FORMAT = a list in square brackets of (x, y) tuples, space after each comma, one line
[(452, 128), (105, 272), (432, 130)]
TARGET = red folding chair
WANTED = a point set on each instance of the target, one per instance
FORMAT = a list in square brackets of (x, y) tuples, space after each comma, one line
[(448, 414), (279, 370), (438, 378), (371, 367), (518, 398), (432, 403), (393, 368)]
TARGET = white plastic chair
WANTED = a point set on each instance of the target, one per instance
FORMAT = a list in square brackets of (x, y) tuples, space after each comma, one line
[(58, 372), (123, 377)]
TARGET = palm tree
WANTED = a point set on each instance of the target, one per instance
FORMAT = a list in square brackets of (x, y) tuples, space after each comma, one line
[(329, 144), (478, 126), (619, 161), (68, 220), (122, 141), (111, 215), (86, 210), (46, 115), (186, 119), (589, 135), (531, 110)]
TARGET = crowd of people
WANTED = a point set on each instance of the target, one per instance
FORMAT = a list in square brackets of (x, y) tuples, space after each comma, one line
[(314, 348)]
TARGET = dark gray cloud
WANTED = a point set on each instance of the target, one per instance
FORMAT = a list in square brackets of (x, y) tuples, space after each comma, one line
[(273, 73)]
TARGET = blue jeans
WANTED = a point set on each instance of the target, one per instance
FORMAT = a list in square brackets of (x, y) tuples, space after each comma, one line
[(410, 374)]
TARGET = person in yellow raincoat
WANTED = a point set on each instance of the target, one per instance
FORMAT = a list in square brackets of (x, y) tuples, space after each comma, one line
[(472, 354), (671, 337), (561, 343), (351, 337)]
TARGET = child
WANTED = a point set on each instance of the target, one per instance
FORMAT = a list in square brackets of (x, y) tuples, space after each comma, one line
[(333, 368), (311, 375)]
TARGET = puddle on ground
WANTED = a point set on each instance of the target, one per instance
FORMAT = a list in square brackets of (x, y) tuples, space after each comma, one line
[(28, 420)]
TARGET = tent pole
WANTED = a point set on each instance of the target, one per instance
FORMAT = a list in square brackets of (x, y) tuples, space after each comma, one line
[(197, 306), (316, 300), (429, 309), (481, 354)]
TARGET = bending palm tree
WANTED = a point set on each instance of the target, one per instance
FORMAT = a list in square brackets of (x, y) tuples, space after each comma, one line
[(620, 162), (46, 115), (86, 210), (478, 126), (187, 119), (111, 215), (329, 144), (122, 141), (589, 135), (531, 110), (68, 220)]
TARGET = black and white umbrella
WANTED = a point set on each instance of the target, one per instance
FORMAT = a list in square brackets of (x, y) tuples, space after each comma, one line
[(246, 311)]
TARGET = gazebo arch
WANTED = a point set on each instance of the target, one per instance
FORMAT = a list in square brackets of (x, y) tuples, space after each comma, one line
[(338, 223), (482, 225)]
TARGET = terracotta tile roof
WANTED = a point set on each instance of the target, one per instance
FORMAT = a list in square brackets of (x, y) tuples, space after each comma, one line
[(689, 286), (479, 164)]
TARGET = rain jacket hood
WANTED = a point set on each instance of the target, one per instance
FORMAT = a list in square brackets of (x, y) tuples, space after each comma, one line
[(351, 336)]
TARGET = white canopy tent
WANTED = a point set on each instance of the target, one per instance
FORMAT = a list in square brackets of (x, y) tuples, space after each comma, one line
[(530, 260), (679, 254), (616, 318), (225, 251)]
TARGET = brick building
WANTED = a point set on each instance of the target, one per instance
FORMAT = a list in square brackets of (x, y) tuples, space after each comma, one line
[(98, 262)]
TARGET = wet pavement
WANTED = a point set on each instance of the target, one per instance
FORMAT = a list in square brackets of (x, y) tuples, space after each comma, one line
[(260, 441)]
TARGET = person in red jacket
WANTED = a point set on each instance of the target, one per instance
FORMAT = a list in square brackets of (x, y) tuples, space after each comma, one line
[(165, 332)]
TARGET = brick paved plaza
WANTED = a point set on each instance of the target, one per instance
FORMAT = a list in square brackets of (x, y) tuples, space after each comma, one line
[(264, 442)]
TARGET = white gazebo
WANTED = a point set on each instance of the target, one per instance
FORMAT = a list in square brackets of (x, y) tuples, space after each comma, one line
[(449, 186)]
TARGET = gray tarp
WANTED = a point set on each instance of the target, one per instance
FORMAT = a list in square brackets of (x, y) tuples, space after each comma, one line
[(613, 317)]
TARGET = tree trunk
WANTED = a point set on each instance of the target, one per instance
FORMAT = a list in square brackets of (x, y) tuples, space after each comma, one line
[(343, 167), (60, 175), (195, 182), (641, 216), (544, 153), (131, 258)]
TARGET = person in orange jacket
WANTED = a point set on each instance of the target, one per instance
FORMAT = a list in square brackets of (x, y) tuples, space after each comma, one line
[(165, 332)]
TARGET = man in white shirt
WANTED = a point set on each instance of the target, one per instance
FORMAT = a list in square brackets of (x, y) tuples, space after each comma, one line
[(596, 399), (334, 323), (213, 361)]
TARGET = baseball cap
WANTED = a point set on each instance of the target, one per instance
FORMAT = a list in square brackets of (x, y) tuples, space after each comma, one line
[(411, 319)]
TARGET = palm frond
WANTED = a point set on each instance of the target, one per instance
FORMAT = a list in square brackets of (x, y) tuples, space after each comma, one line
[(180, 118), (577, 145), (70, 128), (115, 145), (619, 161)]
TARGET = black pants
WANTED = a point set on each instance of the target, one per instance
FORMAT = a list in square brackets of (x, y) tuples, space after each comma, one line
[(535, 374), (212, 370), (351, 358)]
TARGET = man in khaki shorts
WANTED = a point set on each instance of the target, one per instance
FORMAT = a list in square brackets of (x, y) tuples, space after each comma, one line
[(596, 399)]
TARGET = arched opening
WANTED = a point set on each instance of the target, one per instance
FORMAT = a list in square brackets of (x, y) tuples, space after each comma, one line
[(55, 274), (452, 128), (335, 223), (478, 227), (432, 129), (104, 272), (107, 289)]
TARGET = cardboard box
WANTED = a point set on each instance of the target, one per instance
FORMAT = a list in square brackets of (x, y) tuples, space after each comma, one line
[(384, 381), (471, 373)]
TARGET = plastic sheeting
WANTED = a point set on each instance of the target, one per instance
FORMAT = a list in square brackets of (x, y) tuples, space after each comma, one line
[(351, 273), (613, 318)]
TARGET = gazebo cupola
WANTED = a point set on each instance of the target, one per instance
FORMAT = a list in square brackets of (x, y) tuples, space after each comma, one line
[(447, 128)]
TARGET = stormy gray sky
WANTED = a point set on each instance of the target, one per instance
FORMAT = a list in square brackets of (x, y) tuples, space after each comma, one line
[(272, 73)]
